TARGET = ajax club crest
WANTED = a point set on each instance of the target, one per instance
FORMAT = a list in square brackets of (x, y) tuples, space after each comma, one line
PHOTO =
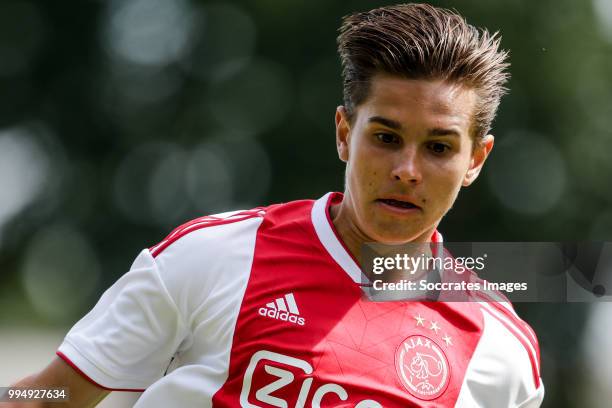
[(422, 367)]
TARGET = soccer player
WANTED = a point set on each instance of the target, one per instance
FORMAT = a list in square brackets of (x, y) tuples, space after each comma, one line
[(265, 308)]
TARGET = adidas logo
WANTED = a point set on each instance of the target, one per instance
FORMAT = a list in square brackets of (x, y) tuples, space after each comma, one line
[(285, 309)]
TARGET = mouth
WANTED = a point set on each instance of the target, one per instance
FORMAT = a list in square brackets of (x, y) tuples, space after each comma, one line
[(399, 204)]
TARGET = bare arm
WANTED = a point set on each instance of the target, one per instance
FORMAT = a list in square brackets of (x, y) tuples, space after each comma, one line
[(59, 374)]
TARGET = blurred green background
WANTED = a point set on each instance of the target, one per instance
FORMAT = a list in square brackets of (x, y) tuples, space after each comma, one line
[(121, 119)]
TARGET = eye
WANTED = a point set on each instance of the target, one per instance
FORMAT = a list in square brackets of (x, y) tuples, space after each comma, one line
[(438, 148), (387, 138)]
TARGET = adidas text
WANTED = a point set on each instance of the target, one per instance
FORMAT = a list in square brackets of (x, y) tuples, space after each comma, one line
[(284, 316)]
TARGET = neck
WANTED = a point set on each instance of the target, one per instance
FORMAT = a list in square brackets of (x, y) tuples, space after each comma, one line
[(353, 237), (350, 234)]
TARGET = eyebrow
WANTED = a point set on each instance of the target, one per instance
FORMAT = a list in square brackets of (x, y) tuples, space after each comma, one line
[(390, 123), (443, 132), (395, 125)]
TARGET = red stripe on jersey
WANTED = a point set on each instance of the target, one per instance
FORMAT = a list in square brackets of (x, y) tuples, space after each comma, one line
[(534, 338), (85, 376), (493, 297), (203, 222), (520, 336)]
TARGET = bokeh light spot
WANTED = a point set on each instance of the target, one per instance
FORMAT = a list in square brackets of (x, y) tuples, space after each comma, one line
[(527, 173), (603, 13), (148, 32), (60, 272), (167, 195), (23, 170), (228, 173), (209, 178), (134, 178)]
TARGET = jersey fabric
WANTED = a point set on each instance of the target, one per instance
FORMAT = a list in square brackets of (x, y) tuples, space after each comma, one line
[(264, 308)]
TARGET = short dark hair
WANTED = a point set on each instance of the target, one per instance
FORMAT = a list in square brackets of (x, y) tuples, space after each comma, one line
[(419, 41)]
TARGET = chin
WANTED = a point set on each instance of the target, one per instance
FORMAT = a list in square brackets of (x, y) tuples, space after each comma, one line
[(384, 236)]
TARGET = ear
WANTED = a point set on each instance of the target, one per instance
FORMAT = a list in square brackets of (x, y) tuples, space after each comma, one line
[(480, 153), (343, 131)]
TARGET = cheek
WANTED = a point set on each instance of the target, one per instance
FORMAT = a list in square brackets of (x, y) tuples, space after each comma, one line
[(362, 179), (365, 170), (446, 183)]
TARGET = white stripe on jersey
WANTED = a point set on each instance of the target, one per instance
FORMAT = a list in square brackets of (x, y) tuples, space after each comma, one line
[(330, 241)]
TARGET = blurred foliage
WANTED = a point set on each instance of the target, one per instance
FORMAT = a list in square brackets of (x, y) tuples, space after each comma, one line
[(122, 119)]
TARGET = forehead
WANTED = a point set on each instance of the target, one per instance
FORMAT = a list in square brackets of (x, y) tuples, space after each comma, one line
[(420, 101)]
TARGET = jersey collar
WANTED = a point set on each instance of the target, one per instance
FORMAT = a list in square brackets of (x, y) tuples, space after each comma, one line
[(327, 234)]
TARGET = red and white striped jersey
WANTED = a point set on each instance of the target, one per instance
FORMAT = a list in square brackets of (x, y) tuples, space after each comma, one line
[(264, 308)]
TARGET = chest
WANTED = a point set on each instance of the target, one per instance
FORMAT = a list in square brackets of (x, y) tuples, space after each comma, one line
[(306, 336)]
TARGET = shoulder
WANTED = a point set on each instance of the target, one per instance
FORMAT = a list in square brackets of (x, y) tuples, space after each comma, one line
[(521, 332), (508, 352), (209, 227), (503, 324), (497, 310), (214, 254), (197, 252), (225, 228)]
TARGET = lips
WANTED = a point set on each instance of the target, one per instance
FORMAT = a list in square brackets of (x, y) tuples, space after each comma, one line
[(397, 203)]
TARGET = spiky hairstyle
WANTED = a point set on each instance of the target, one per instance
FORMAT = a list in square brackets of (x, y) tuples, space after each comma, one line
[(419, 41)]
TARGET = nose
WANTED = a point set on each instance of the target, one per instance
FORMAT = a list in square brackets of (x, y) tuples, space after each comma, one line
[(407, 168)]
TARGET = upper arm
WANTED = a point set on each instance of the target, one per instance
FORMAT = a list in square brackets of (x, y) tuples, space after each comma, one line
[(82, 392), (128, 339)]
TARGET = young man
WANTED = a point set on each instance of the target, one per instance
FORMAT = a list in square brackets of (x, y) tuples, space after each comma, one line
[(264, 308)]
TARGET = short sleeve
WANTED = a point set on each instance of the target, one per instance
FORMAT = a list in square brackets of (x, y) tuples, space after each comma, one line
[(535, 400), (128, 339)]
